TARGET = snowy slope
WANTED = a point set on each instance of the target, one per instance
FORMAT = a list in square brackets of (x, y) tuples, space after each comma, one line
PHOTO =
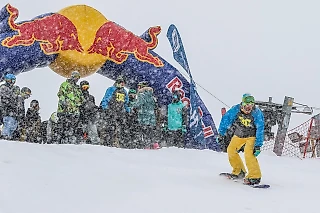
[(82, 178)]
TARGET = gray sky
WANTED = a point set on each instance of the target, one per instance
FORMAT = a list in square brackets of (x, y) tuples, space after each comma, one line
[(266, 47)]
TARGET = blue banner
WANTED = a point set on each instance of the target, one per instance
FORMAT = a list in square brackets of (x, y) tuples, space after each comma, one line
[(195, 122)]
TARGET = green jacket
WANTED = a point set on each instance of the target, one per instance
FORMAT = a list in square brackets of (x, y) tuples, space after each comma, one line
[(70, 97), (146, 106)]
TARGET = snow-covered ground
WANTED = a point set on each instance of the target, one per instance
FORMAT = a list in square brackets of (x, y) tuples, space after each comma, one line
[(37, 178)]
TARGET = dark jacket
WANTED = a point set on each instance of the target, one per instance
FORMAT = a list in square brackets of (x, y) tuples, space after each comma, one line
[(8, 100), (33, 125), (88, 108), (32, 118)]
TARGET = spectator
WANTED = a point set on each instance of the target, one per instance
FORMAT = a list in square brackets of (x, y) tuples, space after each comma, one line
[(131, 136), (70, 100), (176, 121), (8, 104), (33, 123), (114, 104), (145, 105), (52, 129), (88, 115), (20, 133)]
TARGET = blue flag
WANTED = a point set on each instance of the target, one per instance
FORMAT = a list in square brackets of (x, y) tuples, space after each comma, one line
[(195, 122)]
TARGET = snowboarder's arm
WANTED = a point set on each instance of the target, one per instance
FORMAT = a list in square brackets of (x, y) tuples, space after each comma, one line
[(228, 119), (259, 123)]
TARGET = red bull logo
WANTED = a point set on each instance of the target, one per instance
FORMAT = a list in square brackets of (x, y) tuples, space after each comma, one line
[(117, 43), (82, 38), (54, 32)]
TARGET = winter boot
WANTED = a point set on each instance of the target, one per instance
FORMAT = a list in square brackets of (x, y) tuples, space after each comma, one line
[(251, 181)]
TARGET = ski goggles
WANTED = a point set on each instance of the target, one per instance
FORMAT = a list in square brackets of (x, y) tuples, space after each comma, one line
[(11, 81), (85, 87), (248, 101)]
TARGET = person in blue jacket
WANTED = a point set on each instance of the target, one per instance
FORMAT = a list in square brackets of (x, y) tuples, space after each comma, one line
[(114, 104), (248, 121)]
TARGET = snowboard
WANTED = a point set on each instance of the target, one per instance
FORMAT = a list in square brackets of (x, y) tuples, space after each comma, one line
[(258, 186)]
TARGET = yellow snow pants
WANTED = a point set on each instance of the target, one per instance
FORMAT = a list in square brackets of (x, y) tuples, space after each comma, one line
[(251, 161)]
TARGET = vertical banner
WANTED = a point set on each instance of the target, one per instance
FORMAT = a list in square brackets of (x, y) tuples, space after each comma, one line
[(195, 119)]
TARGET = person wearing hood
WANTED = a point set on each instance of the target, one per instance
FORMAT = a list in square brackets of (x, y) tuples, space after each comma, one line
[(70, 100), (114, 105), (145, 106), (176, 121)]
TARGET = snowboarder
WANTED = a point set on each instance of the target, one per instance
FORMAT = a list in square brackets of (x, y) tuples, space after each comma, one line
[(249, 131)]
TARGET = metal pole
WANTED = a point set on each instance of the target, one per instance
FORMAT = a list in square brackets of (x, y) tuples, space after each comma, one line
[(283, 125), (308, 138)]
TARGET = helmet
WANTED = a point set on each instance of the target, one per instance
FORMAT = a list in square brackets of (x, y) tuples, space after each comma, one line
[(247, 98), (75, 75), (25, 92), (120, 79), (34, 103), (10, 78), (84, 85), (142, 84), (54, 117)]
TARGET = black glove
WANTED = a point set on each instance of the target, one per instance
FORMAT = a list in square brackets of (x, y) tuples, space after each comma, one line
[(220, 139)]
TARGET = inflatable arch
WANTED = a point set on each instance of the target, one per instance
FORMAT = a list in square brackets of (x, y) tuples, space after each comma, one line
[(81, 38)]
